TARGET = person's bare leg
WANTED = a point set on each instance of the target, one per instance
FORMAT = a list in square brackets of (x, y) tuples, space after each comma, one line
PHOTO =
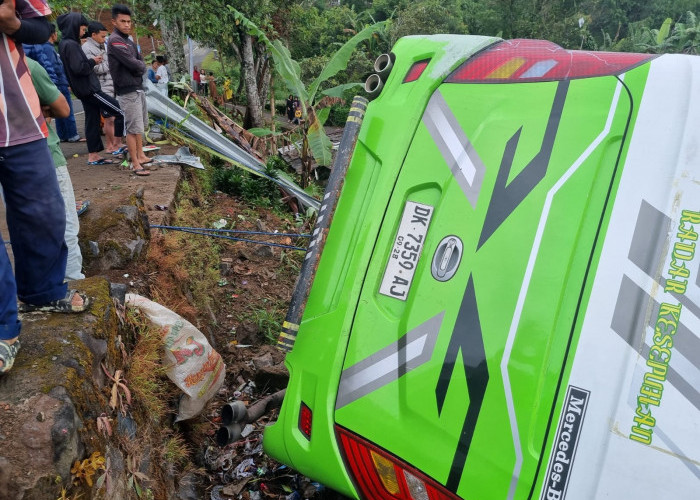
[(142, 158), (112, 143), (132, 146)]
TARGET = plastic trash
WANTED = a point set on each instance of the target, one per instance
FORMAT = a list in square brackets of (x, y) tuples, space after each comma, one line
[(192, 363)]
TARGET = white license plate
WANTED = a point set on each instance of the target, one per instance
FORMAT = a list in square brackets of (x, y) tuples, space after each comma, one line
[(406, 251)]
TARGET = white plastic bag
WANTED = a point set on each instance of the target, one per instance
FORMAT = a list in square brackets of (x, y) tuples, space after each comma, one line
[(192, 364)]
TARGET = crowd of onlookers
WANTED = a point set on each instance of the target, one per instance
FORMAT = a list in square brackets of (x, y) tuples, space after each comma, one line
[(40, 78), (104, 70)]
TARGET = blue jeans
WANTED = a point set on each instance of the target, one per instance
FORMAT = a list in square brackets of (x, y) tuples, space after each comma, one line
[(36, 220), (66, 127)]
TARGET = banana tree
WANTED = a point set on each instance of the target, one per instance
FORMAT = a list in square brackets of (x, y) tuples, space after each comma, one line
[(314, 138)]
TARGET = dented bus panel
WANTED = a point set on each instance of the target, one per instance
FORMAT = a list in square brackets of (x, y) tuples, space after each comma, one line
[(508, 302)]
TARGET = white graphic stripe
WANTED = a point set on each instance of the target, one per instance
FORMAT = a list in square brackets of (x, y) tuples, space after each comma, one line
[(526, 284), (453, 143), (386, 365)]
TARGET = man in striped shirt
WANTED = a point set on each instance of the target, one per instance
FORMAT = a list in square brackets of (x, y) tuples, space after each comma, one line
[(35, 212)]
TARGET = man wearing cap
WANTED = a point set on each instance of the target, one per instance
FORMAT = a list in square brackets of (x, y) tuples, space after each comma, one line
[(85, 85)]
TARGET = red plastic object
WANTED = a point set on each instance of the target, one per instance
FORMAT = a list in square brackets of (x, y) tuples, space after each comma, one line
[(537, 60), (358, 458), (305, 418), (416, 71)]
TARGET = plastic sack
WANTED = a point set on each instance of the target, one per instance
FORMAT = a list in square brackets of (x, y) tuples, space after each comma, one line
[(192, 364)]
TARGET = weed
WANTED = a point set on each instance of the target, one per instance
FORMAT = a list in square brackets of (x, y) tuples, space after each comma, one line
[(269, 320), (175, 451), (146, 373), (135, 475)]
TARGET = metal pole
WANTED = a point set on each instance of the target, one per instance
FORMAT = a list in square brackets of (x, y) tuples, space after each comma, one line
[(287, 336), (191, 65)]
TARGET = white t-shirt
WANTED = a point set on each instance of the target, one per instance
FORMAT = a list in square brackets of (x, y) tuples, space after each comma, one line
[(162, 72)]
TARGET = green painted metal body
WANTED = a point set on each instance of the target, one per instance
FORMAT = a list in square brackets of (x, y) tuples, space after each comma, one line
[(420, 416)]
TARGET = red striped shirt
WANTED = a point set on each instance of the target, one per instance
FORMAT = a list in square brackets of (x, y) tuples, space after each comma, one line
[(21, 120)]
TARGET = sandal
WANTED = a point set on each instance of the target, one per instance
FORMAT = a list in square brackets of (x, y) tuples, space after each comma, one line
[(119, 151), (141, 171), (8, 353), (64, 305), (101, 161), (82, 206)]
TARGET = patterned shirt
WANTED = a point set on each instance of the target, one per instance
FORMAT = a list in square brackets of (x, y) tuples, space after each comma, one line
[(21, 120)]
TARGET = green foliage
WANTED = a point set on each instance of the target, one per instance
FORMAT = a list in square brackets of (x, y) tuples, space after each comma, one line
[(252, 188), (338, 116), (428, 17)]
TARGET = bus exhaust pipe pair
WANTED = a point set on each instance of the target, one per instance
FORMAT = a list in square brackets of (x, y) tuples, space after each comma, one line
[(374, 85), (382, 68)]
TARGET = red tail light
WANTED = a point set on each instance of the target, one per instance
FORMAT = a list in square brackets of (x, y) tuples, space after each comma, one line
[(537, 60), (381, 476), (305, 417), (416, 71)]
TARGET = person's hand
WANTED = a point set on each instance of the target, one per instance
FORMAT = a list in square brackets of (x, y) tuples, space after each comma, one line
[(98, 59), (9, 23), (46, 111)]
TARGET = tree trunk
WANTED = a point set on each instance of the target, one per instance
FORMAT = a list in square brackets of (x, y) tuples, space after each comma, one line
[(254, 109), (273, 111), (172, 38), (264, 80), (172, 35)]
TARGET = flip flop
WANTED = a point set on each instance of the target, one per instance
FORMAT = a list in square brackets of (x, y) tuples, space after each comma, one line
[(64, 305), (101, 161), (8, 353), (82, 206), (141, 171), (119, 151)]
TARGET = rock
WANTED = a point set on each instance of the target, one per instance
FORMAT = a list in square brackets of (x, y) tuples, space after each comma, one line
[(263, 361), (57, 377), (264, 251), (113, 238), (131, 212), (187, 489), (94, 248), (247, 333), (118, 291)]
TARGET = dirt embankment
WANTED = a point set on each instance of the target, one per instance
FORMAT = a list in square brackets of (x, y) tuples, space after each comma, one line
[(234, 292)]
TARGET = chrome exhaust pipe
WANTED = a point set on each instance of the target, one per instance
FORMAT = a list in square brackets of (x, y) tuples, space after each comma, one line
[(228, 434), (374, 85), (383, 65), (233, 413)]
